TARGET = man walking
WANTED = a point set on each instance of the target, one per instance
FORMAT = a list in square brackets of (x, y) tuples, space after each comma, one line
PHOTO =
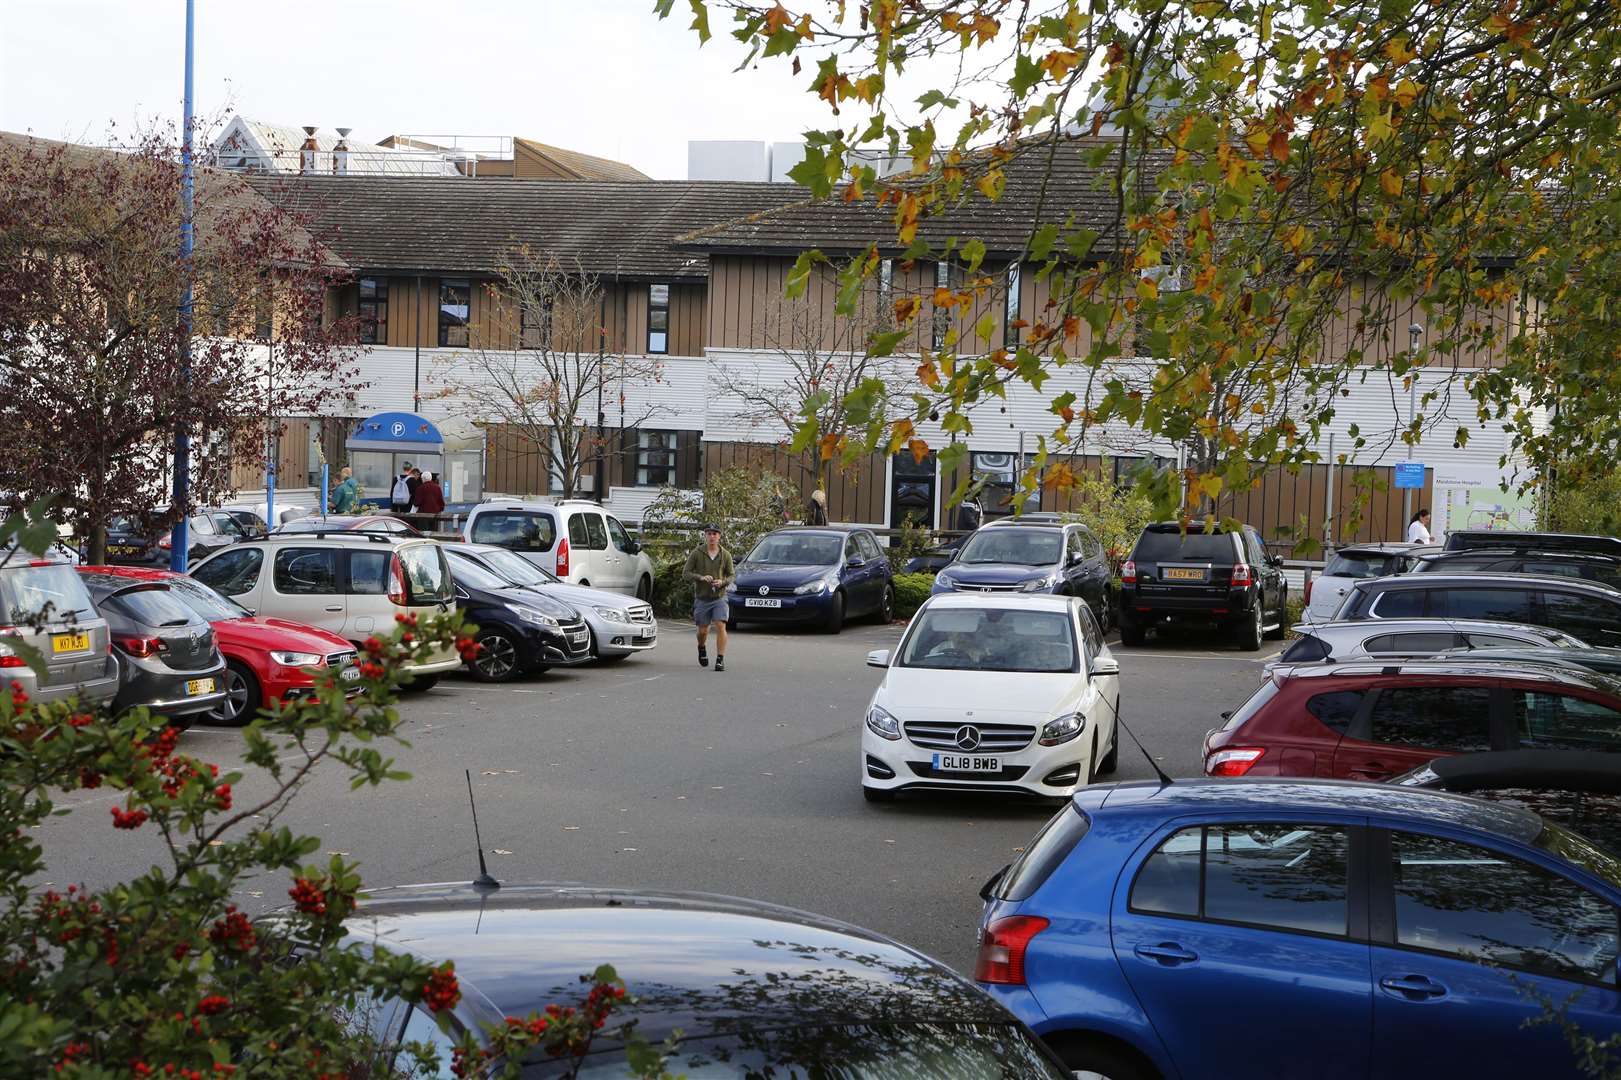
[(343, 500), (709, 568)]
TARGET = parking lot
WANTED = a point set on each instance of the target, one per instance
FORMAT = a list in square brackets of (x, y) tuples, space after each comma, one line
[(657, 774)]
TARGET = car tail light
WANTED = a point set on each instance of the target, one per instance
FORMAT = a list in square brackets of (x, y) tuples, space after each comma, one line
[(1242, 574), (142, 646), (1234, 761), (163, 541), (8, 660), (1128, 573), (396, 581), (562, 557), (1002, 945), (1309, 583)]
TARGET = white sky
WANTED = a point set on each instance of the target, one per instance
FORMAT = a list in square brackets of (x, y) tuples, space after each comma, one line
[(601, 76)]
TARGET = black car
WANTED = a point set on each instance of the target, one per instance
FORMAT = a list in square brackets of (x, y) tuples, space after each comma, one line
[(1578, 789), (935, 559), (1037, 553), (748, 989), (167, 657), (1498, 539), (1223, 577), (146, 542), (1589, 566), (519, 631), (1586, 611)]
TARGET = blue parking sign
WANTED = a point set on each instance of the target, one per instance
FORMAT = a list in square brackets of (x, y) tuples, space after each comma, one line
[(1409, 474)]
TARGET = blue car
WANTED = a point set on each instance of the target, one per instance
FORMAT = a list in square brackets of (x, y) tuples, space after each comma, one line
[(1280, 928), (813, 575), (1036, 553)]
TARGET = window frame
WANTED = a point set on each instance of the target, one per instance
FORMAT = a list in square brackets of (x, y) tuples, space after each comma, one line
[(653, 306), (1361, 729), (446, 284), (535, 332), (641, 464), (224, 557), (373, 325), (339, 569), (1011, 307)]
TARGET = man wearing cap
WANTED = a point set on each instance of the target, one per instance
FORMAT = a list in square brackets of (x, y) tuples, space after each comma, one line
[(709, 568)]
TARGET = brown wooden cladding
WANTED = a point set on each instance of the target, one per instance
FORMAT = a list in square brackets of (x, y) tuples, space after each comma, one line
[(292, 465), (516, 466), (854, 494)]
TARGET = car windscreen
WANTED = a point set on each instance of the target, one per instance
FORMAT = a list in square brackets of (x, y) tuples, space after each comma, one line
[(797, 549), (207, 603), (1156, 545), (1022, 547), (938, 1050), (1359, 564), (153, 606), (1051, 846), (426, 572), (992, 639), (517, 569), (473, 576), (35, 595)]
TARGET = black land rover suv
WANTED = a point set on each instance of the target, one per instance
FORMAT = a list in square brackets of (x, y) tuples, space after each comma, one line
[(1221, 577)]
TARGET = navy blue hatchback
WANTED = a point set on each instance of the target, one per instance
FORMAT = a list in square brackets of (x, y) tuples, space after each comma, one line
[(1213, 928), (814, 575)]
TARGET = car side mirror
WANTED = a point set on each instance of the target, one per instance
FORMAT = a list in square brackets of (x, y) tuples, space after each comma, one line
[(878, 658), (633, 547), (1105, 665), (1275, 561), (856, 563)]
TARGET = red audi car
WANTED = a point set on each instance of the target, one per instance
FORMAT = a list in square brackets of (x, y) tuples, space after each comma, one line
[(265, 659), (1372, 721)]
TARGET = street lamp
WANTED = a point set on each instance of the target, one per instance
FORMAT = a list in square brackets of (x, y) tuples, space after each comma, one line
[(178, 538), (1414, 332)]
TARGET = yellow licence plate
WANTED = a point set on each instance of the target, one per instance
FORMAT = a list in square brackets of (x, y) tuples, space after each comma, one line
[(1176, 573), (199, 686), (69, 642)]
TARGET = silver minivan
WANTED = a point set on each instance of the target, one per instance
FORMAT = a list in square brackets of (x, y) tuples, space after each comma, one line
[(47, 606), (575, 539)]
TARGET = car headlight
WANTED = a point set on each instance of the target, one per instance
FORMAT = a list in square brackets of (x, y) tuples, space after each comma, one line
[(1063, 729), (529, 614), (943, 578), (882, 724), (613, 614), (296, 659), (1040, 584)]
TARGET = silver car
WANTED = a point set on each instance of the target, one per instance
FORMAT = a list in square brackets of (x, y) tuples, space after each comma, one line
[(620, 625), (1353, 563), (47, 606), (1318, 644)]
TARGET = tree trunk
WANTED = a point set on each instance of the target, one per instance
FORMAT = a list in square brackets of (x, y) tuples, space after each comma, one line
[(96, 553)]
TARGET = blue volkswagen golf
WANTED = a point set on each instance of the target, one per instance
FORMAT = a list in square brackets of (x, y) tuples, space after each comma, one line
[(1277, 928), (816, 575)]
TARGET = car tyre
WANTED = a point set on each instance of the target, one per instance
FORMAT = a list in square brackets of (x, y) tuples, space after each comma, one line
[(1249, 631), (420, 683), (242, 696), (1092, 762), (644, 589), (886, 608), (499, 658), (877, 795), (1131, 633), (1099, 1060), (1111, 760), (834, 622)]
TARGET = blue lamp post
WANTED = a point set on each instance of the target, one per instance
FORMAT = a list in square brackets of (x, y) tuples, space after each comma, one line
[(179, 541)]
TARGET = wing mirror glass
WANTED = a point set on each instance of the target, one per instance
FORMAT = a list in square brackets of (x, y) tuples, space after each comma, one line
[(878, 658)]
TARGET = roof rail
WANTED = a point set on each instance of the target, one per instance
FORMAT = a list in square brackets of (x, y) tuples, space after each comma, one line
[(329, 534)]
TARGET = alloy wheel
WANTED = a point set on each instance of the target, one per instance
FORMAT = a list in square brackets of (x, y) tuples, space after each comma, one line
[(497, 657), (235, 705)]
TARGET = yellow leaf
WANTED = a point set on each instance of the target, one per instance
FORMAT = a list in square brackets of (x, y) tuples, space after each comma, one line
[(920, 450), (1407, 92), (1258, 408), (1147, 288), (828, 445), (929, 375), (906, 307), (1390, 182), (900, 434), (1399, 51), (944, 298), (777, 18)]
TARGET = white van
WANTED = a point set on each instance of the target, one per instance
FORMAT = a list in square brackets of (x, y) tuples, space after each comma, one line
[(576, 539)]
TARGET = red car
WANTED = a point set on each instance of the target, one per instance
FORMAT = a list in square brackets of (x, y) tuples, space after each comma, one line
[(1372, 721), (264, 658)]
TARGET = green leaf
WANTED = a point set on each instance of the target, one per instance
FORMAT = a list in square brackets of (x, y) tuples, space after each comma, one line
[(661, 8), (1041, 245), (974, 253), (884, 344), (934, 98), (799, 274), (1026, 74), (700, 18)]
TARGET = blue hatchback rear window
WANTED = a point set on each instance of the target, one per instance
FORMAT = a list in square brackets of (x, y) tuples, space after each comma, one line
[(1051, 846)]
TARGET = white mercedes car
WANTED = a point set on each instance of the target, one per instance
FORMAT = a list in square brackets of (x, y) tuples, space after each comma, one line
[(993, 693)]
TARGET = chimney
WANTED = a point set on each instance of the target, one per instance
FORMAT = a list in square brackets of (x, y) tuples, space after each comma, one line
[(340, 153), (306, 155)]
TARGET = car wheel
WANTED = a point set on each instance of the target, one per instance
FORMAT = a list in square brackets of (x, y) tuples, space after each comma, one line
[(731, 623), (498, 657), (1131, 633), (1092, 762), (835, 615), (1105, 1061), (1249, 631), (242, 696), (419, 683), (644, 588), (877, 795), (886, 608)]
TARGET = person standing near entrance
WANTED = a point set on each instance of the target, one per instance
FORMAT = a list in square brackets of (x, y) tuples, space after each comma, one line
[(710, 570), (399, 497), (347, 494), (430, 497), (1418, 530)]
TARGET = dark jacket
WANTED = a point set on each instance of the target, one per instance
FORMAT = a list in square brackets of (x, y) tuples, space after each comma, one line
[(430, 499), (413, 483)]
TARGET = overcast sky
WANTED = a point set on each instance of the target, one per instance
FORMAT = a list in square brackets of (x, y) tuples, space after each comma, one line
[(602, 76)]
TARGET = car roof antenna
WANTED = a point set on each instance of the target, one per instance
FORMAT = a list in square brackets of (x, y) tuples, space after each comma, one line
[(484, 882), (1164, 780)]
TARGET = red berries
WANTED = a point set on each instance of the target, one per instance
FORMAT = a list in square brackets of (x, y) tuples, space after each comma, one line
[(130, 819), (307, 897), (441, 991)]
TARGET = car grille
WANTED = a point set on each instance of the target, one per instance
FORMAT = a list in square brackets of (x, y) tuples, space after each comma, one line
[(341, 659), (929, 772), (577, 637), (993, 738), (771, 590), (962, 586), (642, 614)]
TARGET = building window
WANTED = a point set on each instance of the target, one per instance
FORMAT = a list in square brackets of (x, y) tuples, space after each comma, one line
[(373, 311), (1010, 333), (455, 297), (658, 318), (655, 458), (536, 329), (886, 291), (942, 315)]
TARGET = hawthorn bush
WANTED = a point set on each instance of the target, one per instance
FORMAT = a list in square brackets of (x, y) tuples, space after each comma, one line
[(162, 975)]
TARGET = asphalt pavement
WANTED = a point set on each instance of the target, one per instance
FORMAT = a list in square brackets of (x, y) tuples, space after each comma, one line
[(656, 773)]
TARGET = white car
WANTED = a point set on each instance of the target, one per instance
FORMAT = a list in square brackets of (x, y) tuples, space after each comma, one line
[(1354, 563), (1338, 642), (993, 692), (576, 539)]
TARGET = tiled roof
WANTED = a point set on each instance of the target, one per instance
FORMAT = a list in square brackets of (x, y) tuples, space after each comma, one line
[(1033, 195), (466, 226), (584, 166)]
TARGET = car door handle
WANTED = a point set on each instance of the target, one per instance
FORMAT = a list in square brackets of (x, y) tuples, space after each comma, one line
[(1412, 987), (1166, 953), (334, 607)]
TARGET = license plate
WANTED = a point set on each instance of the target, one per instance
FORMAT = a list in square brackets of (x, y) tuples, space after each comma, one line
[(69, 642), (648, 633), (755, 601), (1177, 573), (199, 686), (349, 674), (966, 763), (577, 638), (122, 549)]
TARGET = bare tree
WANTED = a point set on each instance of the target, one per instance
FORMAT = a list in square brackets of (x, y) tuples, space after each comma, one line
[(541, 364)]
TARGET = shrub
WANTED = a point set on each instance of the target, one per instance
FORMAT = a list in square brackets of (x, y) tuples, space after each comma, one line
[(1585, 501), (914, 539), (746, 505), (910, 592), (1115, 515)]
